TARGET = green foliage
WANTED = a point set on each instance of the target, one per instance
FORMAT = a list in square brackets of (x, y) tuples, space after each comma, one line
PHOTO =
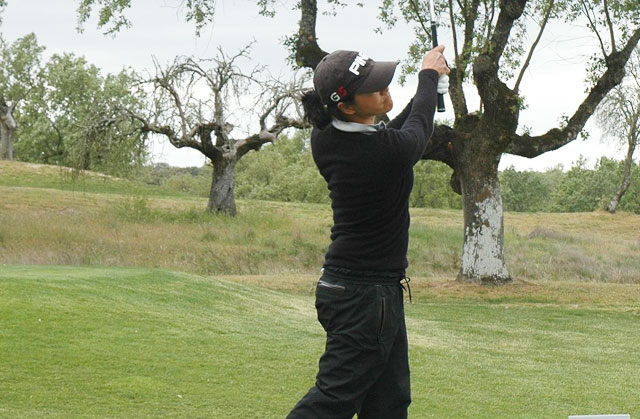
[(582, 189), (431, 187), (283, 171), (19, 68), (3, 4), (194, 181), (631, 199), (76, 118), (112, 13), (528, 191)]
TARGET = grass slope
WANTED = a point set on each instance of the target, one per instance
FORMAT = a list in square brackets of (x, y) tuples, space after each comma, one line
[(21, 174), (122, 343), (125, 343), (117, 223)]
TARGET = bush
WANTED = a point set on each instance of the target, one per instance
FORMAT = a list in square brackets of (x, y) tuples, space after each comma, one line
[(431, 187), (583, 189), (283, 171), (528, 191)]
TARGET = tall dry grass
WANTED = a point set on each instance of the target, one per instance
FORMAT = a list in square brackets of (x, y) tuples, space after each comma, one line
[(101, 227)]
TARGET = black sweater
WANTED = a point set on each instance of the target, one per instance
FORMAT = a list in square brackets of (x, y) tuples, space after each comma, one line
[(370, 177)]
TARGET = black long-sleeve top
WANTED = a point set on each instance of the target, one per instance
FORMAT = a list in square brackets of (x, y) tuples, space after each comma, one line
[(370, 177)]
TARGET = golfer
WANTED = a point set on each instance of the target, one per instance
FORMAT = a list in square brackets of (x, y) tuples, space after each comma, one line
[(369, 171)]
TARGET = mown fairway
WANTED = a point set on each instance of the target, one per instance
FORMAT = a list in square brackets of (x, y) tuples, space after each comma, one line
[(139, 343), (122, 302)]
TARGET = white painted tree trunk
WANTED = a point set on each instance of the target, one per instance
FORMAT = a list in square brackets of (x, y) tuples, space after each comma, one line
[(483, 249)]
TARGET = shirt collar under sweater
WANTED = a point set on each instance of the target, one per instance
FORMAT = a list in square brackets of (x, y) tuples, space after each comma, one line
[(357, 127)]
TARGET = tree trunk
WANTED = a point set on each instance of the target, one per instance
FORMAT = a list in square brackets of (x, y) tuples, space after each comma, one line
[(483, 249), (222, 195), (626, 179), (8, 127)]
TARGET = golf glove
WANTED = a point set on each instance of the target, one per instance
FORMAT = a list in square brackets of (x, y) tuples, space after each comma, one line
[(443, 84)]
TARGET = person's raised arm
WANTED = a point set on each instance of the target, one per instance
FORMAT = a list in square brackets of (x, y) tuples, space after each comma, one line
[(434, 60)]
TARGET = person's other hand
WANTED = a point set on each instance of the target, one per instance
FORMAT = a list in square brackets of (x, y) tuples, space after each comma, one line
[(435, 60)]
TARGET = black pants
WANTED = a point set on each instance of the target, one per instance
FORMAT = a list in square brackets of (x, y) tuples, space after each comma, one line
[(365, 367)]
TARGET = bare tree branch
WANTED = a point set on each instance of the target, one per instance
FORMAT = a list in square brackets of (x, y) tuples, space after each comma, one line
[(510, 11), (268, 135), (453, 31), (489, 17), (418, 16), (593, 26), (528, 146), (610, 25), (534, 45), (308, 53)]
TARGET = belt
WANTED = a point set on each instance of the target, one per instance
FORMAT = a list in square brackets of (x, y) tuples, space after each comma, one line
[(359, 277)]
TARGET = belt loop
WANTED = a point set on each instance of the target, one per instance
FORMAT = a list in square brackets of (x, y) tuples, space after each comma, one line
[(406, 280)]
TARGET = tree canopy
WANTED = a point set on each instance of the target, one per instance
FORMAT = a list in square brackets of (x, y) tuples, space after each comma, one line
[(66, 112), (494, 43), (75, 118)]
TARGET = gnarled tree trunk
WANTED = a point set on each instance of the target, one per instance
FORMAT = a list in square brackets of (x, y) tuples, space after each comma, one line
[(626, 179), (222, 196), (8, 126), (483, 248), (473, 145)]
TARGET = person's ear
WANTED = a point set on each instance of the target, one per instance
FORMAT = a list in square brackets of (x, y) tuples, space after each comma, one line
[(346, 109)]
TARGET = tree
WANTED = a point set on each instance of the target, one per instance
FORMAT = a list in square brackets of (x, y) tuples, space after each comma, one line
[(582, 189), (72, 118), (202, 122), (619, 117), (112, 14), (525, 191), (19, 67), (3, 4), (492, 45), (431, 187), (282, 171), (489, 44)]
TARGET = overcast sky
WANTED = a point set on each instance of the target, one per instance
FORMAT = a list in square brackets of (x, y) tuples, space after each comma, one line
[(552, 86)]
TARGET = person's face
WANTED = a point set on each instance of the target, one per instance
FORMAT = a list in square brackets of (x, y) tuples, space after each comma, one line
[(368, 105)]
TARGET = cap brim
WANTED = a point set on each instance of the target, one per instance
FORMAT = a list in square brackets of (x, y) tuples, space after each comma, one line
[(379, 77)]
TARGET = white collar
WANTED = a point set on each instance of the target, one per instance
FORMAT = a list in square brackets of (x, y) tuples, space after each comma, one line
[(357, 127)]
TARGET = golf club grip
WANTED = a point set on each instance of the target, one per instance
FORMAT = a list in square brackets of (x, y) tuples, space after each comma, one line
[(441, 102), (434, 36)]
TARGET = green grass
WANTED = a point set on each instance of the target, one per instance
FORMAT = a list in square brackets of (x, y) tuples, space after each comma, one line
[(80, 342), (31, 175), (117, 333), (113, 222), (142, 343)]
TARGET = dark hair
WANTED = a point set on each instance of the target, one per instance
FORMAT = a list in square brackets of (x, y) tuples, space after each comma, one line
[(319, 114)]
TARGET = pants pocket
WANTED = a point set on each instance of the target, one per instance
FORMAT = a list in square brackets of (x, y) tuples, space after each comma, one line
[(382, 315), (331, 286), (350, 310)]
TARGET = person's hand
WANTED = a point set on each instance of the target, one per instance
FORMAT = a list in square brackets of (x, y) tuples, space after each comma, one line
[(435, 60)]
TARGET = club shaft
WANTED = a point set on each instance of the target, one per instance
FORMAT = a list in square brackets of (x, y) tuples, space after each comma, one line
[(434, 33), (434, 37)]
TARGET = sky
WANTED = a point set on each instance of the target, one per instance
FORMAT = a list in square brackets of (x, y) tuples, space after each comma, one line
[(553, 86)]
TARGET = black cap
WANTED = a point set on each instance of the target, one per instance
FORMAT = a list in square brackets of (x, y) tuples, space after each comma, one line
[(342, 74)]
